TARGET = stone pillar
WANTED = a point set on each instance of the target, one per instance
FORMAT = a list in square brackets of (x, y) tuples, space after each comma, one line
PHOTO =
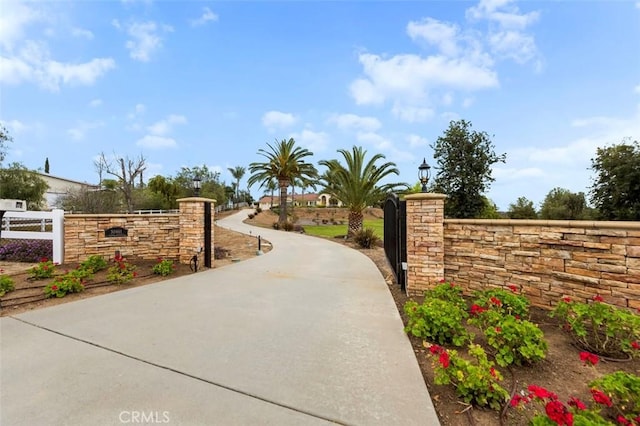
[(192, 228), (425, 241)]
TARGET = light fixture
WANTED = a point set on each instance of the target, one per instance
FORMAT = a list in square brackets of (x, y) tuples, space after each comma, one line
[(424, 172), (197, 182)]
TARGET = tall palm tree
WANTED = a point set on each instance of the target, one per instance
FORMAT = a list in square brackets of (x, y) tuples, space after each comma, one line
[(285, 162), (270, 186), (237, 172), (357, 184)]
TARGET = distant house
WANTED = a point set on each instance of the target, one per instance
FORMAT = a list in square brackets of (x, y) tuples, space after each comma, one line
[(300, 200), (59, 186)]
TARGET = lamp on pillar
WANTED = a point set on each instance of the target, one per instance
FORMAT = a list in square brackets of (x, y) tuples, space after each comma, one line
[(424, 172), (197, 182)]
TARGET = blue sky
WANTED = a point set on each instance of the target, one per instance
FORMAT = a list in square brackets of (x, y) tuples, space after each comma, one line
[(192, 83)]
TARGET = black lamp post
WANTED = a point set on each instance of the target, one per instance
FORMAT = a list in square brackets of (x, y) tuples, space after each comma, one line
[(197, 182), (424, 172)]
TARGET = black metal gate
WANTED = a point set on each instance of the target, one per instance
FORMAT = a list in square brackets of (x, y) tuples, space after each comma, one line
[(395, 236)]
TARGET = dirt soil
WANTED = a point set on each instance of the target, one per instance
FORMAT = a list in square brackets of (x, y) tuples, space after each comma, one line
[(562, 372)]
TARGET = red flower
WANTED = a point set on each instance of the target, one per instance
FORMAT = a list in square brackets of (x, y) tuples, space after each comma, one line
[(623, 420), (444, 359), (135, 274), (601, 398), (635, 345), (435, 349), (45, 267), (54, 287), (597, 298), (575, 402), (122, 265), (452, 285), (542, 393), (44, 259), (517, 316), (442, 281), (513, 288), (493, 373), (559, 413), (496, 301), (1, 271), (517, 399), (475, 310), (498, 329), (589, 357), (566, 299)]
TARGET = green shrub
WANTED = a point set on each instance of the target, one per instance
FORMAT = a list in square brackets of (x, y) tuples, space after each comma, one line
[(6, 284), (122, 271), (509, 302), (164, 267), (366, 238), (44, 269), (62, 285), (475, 382), (258, 210), (251, 215), (94, 263), (437, 320), (449, 292), (600, 328), (276, 225), (624, 391), (287, 226), (515, 341)]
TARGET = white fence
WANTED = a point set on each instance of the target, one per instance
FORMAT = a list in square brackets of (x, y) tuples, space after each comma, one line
[(55, 217)]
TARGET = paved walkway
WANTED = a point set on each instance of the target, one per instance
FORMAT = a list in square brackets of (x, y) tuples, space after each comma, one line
[(307, 334)]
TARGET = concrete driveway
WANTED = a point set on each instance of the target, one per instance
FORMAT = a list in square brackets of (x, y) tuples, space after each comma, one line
[(305, 334)]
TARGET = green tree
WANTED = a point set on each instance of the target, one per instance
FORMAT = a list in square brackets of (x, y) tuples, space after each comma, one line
[(357, 183), (166, 188), (489, 210), (284, 162), (269, 188), (616, 189), (562, 204), (464, 158), (5, 138), (522, 209), (18, 182), (209, 179), (237, 173)]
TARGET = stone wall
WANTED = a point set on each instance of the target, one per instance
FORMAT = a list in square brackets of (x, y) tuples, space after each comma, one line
[(546, 259), (148, 236)]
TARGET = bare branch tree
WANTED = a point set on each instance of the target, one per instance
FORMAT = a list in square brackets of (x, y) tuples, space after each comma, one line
[(126, 171)]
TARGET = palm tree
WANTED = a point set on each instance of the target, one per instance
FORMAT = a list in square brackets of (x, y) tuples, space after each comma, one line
[(269, 187), (357, 183), (237, 173), (285, 162)]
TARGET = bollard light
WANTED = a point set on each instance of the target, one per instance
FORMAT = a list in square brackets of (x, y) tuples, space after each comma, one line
[(424, 172)]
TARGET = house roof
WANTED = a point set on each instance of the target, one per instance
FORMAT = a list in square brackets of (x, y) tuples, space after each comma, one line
[(64, 179)]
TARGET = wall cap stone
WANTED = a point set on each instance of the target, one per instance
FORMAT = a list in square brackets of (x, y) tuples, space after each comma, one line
[(425, 196), (116, 215), (195, 199), (561, 223)]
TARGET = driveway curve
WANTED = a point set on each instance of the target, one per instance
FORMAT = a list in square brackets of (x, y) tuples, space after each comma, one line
[(305, 334)]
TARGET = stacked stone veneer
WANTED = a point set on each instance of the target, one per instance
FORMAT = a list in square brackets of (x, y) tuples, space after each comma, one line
[(546, 259), (172, 236)]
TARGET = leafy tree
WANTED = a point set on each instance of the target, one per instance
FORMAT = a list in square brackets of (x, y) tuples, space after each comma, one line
[(270, 187), (464, 158), (166, 188), (357, 183), (489, 210), (126, 170), (18, 182), (562, 204), (237, 173), (616, 188), (284, 162), (522, 209), (5, 138)]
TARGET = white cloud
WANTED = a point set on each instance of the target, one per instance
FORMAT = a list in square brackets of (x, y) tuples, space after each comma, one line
[(81, 32), (15, 127), (504, 13), (384, 145), (637, 89), (79, 132), (146, 38), (416, 141), (504, 173), (515, 45), (355, 122), (313, 141), (467, 102), (207, 16), (447, 99), (165, 126), (15, 17), (94, 103), (441, 34), (156, 142), (277, 120), (34, 64), (412, 114)]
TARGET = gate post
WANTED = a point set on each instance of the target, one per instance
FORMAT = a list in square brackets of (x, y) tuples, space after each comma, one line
[(425, 241), (196, 230)]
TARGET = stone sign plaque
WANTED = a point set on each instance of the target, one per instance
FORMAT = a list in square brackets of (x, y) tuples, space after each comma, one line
[(116, 231)]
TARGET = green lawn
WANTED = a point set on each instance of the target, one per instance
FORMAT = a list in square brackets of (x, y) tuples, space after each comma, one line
[(332, 231)]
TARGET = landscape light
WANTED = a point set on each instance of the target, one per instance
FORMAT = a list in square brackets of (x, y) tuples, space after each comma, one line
[(197, 182), (424, 172)]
